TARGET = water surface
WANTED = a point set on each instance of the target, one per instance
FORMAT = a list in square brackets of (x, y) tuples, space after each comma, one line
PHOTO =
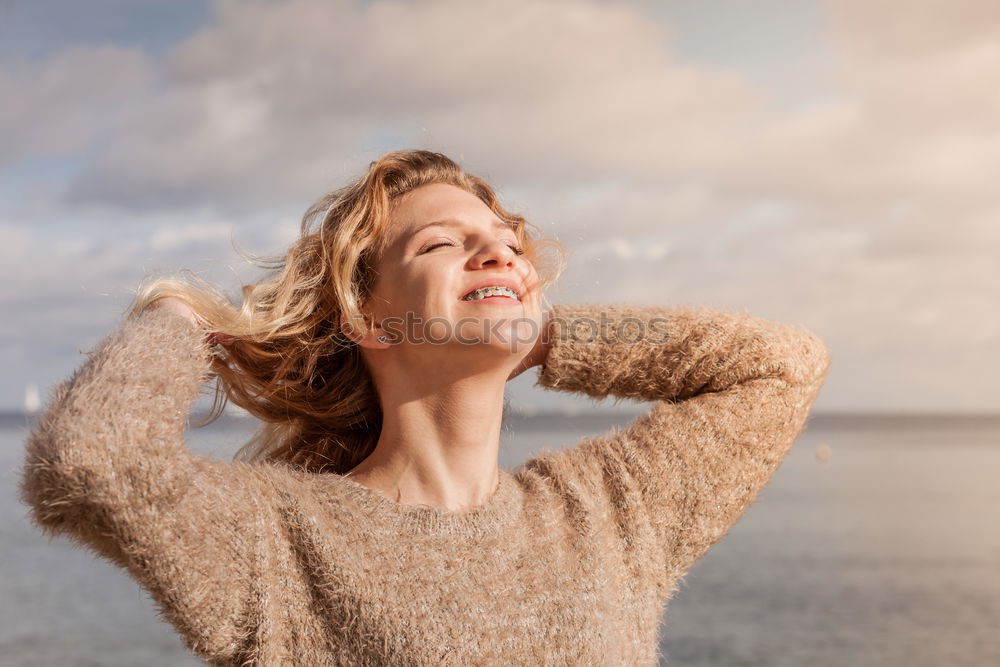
[(887, 553)]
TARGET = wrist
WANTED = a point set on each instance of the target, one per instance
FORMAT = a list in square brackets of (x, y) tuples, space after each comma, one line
[(544, 342)]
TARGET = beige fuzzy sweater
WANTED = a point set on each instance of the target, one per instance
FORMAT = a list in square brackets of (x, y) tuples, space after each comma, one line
[(571, 561)]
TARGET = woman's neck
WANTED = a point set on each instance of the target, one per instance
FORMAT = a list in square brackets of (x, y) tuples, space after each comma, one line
[(438, 447)]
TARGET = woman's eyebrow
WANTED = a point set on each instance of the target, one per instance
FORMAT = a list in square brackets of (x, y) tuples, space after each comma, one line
[(452, 222)]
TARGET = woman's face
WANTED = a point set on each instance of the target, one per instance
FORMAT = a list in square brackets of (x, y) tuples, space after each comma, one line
[(444, 244)]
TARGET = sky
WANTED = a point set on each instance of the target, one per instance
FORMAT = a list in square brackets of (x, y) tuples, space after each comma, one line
[(829, 164)]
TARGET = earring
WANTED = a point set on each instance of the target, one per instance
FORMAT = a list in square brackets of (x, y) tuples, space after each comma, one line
[(383, 339)]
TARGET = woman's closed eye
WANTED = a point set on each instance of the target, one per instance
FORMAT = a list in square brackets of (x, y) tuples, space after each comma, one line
[(515, 248)]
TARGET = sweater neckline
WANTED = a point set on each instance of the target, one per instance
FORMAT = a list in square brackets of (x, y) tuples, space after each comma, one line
[(486, 518)]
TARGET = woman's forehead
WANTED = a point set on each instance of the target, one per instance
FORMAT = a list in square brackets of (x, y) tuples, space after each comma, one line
[(437, 200), (450, 208)]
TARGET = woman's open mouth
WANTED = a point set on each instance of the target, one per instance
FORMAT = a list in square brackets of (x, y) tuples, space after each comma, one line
[(496, 294)]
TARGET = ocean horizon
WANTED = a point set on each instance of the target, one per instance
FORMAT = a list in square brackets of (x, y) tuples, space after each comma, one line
[(12, 418)]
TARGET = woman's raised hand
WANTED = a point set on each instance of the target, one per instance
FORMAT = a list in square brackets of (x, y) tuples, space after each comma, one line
[(175, 305), (539, 352), (180, 307)]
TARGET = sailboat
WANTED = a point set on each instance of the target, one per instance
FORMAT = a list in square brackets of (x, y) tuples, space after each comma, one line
[(32, 400)]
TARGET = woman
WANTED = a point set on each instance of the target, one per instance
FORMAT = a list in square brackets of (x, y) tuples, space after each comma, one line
[(369, 521)]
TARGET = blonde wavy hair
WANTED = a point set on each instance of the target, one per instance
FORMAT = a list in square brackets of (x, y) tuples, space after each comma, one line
[(288, 363)]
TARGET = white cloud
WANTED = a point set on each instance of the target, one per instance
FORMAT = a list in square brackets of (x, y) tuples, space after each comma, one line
[(874, 30), (170, 237), (576, 89), (868, 212), (65, 104)]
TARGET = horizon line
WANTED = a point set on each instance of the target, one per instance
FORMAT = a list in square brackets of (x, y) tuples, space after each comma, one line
[(586, 411)]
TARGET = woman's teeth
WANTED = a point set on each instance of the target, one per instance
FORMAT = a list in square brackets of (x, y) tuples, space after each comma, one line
[(478, 294)]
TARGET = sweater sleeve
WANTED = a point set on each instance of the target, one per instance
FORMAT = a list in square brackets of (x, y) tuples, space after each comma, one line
[(107, 466), (732, 393)]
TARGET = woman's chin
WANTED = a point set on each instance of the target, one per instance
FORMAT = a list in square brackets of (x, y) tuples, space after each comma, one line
[(511, 334)]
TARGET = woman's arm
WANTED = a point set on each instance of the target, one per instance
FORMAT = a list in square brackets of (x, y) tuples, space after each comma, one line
[(107, 465), (733, 393)]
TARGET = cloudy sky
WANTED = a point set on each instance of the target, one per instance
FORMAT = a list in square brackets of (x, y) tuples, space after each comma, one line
[(826, 163)]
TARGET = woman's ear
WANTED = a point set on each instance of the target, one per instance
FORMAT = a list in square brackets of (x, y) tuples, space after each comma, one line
[(374, 339), (348, 329)]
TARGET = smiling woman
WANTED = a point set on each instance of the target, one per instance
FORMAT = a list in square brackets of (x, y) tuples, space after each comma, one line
[(302, 358), (369, 522)]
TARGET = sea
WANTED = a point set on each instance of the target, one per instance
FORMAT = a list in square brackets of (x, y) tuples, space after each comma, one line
[(876, 543)]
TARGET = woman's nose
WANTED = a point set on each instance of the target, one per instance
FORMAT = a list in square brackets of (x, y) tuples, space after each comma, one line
[(496, 253)]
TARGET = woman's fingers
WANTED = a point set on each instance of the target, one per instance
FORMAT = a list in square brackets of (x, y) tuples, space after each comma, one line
[(175, 305), (180, 307), (219, 338)]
